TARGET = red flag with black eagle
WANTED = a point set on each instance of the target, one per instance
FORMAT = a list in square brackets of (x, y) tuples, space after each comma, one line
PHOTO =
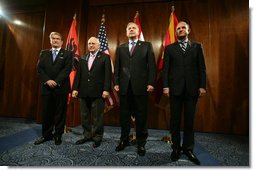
[(72, 45)]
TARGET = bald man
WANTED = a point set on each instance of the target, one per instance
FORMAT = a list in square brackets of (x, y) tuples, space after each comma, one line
[(92, 85)]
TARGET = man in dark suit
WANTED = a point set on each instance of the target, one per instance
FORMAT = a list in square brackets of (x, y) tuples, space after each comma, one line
[(54, 67), (184, 80), (92, 85), (135, 75)]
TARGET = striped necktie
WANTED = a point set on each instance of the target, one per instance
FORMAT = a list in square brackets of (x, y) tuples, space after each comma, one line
[(183, 46)]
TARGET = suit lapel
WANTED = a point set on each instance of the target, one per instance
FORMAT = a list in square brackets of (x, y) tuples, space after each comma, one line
[(178, 47), (126, 49), (86, 58), (138, 44), (50, 56), (98, 55), (189, 47)]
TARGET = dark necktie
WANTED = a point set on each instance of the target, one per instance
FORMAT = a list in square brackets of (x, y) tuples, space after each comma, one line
[(132, 47), (54, 53)]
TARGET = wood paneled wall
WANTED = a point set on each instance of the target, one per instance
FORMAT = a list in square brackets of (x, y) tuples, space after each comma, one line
[(20, 46), (221, 26)]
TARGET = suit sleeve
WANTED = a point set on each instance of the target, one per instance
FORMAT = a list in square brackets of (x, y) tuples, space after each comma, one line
[(151, 66), (108, 73), (165, 70), (202, 67), (40, 68), (76, 82), (117, 67), (65, 72)]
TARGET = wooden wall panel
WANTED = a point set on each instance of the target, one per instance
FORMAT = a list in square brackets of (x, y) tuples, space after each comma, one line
[(19, 56), (229, 69)]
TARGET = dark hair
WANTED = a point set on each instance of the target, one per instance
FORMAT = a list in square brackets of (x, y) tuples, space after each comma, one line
[(187, 21)]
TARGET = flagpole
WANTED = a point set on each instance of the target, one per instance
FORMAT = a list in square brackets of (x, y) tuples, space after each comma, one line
[(103, 19), (168, 138), (136, 15), (71, 103)]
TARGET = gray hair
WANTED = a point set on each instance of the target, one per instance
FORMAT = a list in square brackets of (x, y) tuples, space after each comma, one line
[(55, 33)]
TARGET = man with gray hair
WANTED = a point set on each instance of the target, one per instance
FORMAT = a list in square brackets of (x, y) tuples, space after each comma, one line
[(135, 76), (54, 67)]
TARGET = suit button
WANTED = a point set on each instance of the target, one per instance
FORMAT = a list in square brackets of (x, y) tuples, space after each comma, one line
[(88, 80)]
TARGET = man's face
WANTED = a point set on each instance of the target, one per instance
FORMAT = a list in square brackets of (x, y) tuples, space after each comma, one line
[(132, 31), (182, 30), (56, 41), (93, 45)]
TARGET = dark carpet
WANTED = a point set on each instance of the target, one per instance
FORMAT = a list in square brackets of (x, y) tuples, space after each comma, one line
[(17, 149)]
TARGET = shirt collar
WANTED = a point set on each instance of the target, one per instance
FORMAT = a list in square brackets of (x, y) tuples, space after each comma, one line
[(94, 53), (58, 49), (130, 41), (183, 41)]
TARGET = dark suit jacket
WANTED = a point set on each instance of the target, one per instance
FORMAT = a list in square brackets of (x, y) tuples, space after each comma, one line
[(92, 83), (58, 71), (138, 68), (184, 68)]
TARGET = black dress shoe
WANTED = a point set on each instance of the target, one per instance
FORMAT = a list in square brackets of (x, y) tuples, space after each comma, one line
[(141, 151), (175, 155), (122, 145), (96, 144), (191, 156), (81, 141), (58, 140), (42, 140)]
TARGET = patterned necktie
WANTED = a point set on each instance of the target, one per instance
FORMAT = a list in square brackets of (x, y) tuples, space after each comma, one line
[(54, 53), (132, 47), (90, 61), (183, 46)]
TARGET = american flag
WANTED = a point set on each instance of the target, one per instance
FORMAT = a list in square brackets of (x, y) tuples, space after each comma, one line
[(113, 99)]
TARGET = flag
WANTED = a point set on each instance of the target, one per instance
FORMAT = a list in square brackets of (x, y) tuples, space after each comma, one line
[(136, 20), (170, 38), (113, 99), (72, 45)]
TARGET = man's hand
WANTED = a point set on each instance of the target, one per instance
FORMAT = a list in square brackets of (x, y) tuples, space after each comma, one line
[(105, 94), (202, 92), (74, 94), (166, 91), (150, 88), (116, 87), (51, 83)]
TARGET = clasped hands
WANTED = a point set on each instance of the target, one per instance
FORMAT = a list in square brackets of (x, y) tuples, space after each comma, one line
[(105, 94), (51, 83)]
